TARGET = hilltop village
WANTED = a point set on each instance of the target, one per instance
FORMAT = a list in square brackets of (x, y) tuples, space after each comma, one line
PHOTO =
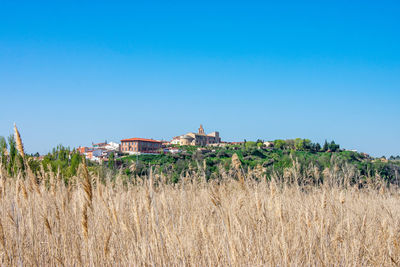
[(100, 152), (207, 153)]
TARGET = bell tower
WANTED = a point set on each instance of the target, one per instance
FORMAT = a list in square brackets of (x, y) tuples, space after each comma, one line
[(201, 130)]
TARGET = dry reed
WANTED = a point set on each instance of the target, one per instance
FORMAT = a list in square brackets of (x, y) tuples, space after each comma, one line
[(228, 222), (199, 224), (20, 146)]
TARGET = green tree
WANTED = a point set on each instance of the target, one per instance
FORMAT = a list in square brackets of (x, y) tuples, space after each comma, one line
[(3, 143), (333, 146), (111, 159), (75, 161), (317, 147), (326, 146), (307, 144), (250, 144), (3, 147), (299, 144), (280, 144), (290, 144), (12, 154), (260, 143)]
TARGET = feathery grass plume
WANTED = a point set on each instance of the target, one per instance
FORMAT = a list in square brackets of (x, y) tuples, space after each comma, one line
[(133, 167), (33, 179), (20, 146), (6, 152), (323, 200), (3, 243), (237, 165), (47, 224), (87, 184), (84, 222), (23, 189), (107, 245), (342, 197), (215, 197)]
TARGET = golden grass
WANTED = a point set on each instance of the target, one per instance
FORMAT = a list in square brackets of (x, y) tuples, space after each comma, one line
[(243, 223), (18, 140)]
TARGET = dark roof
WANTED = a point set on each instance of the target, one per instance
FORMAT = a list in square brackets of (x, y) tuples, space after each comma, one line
[(140, 139)]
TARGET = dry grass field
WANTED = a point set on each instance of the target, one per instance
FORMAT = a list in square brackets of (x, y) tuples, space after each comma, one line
[(229, 223)]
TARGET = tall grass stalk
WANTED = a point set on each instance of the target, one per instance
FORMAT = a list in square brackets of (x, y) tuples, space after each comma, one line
[(232, 221)]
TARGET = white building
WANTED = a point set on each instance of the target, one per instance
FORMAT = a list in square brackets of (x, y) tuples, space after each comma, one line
[(176, 140), (112, 146)]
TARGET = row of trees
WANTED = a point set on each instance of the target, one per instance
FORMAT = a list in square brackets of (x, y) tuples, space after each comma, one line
[(394, 158), (61, 159), (305, 145), (9, 155), (297, 144)]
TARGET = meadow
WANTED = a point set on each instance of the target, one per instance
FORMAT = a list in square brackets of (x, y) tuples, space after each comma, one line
[(233, 221), (298, 217)]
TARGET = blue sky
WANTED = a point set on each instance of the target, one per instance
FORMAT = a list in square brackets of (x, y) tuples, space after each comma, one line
[(73, 72)]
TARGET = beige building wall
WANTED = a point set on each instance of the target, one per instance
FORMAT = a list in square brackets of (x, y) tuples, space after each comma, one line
[(200, 138)]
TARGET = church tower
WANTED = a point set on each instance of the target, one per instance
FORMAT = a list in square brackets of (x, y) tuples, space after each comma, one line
[(201, 130)]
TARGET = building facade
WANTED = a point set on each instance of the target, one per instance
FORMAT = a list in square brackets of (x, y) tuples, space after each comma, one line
[(199, 138), (140, 145)]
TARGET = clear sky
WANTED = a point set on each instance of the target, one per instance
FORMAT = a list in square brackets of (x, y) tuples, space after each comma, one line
[(73, 72)]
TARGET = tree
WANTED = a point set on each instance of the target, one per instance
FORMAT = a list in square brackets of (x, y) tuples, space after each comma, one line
[(250, 144), (3, 147), (307, 144), (326, 146), (333, 146), (260, 143), (75, 161), (289, 144), (111, 160), (3, 143), (317, 147), (279, 144), (299, 144), (12, 153)]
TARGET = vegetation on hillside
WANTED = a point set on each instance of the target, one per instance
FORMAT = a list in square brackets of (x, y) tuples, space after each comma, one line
[(267, 161), (237, 220), (223, 209), (212, 162)]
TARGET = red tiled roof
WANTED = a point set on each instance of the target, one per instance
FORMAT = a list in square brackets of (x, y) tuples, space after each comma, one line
[(100, 144), (140, 139)]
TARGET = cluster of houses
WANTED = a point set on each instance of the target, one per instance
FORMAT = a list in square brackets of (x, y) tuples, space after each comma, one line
[(100, 152), (134, 146)]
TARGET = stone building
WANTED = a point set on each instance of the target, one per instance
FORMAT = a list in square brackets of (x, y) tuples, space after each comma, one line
[(199, 138), (140, 145)]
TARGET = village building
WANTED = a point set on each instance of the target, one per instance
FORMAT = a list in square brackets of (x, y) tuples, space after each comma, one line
[(172, 150), (99, 144), (112, 146), (176, 140), (140, 145), (83, 149), (165, 143), (100, 151), (198, 139), (269, 144)]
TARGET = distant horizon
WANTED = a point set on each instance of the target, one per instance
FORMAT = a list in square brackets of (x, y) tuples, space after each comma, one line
[(89, 144), (74, 72)]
